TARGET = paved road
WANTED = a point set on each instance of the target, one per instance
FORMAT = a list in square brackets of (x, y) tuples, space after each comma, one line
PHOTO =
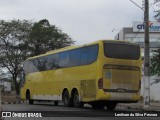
[(62, 113)]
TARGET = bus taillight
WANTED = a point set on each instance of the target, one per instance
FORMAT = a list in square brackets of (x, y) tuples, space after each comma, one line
[(100, 83)]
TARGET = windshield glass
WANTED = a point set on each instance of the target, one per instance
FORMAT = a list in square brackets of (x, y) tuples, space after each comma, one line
[(121, 50)]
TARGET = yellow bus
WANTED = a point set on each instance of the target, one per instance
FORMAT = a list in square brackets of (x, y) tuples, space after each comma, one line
[(102, 73)]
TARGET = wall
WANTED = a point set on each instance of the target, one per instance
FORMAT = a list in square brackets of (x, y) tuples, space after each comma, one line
[(154, 89)]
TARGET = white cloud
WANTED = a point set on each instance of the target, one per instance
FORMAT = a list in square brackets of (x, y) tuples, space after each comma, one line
[(84, 20)]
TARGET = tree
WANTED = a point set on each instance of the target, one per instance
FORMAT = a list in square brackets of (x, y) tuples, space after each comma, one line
[(45, 37), (13, 46), (20, 39), (157, 11), (155, 64)]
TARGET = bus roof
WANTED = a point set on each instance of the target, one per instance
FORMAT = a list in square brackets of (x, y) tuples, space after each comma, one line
[(73, 47)]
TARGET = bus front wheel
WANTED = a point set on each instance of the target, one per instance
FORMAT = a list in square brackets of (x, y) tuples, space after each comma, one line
[(28, 97), (66, 99), (111, 105), (76, 102)]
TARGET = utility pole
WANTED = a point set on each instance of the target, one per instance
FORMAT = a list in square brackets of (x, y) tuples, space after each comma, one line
[(146, 57)]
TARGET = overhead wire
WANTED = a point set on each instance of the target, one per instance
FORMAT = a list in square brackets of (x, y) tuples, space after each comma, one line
[(119, 16), (130, 16)]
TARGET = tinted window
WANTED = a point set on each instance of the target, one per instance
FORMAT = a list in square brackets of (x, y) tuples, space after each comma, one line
[(32, 67), (93, 53), (71, 58), (89, 54), (54, 60), (25, 67), (35, 63), (42, 61), (84, 56), (122, 51), (63, 59), (74, 57), (48, 62)]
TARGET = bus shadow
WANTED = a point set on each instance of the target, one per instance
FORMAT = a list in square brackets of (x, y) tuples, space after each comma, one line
[(85, 108)]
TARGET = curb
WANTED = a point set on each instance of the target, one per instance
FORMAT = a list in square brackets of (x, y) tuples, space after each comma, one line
[(17, 102), (129, 107), (136, 108)]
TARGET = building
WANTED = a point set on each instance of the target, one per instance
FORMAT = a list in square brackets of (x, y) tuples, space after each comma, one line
[(136, 34)]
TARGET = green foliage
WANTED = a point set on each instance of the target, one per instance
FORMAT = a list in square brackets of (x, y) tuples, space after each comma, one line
[(155, 63), (45, 37), (13, 46), (20, 39)]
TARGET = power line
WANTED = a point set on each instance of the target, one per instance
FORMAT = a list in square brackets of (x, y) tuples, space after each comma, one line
[(137, 5)]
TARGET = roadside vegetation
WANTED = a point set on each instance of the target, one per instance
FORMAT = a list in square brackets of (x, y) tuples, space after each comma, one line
[(20, 39), (155, 65)]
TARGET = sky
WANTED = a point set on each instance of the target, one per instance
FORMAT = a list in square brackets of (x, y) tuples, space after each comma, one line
[(84, 21)]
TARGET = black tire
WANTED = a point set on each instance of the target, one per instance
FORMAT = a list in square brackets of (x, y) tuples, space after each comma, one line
[(66, 99), (56, 103), (76, 102), (98, 105), (111, 105), (28, 97), (31, 102)]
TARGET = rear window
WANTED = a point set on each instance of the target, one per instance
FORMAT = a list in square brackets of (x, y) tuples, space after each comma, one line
[(122, 50)]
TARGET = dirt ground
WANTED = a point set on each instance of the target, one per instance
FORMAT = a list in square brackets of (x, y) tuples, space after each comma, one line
[(9, 97)]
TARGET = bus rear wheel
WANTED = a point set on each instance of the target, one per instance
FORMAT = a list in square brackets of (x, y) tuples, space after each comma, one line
[(66, 99), (98, 105), (76, 101), (111, 105), (56, 103)]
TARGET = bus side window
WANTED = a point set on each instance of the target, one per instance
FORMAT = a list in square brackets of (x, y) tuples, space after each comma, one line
[(35, 64), (48, 62), (63, 59), (22, 78), (25, 67), (41, 63), (93, 53), (54, 61), (84, 56), (32, 67), (74, 57)]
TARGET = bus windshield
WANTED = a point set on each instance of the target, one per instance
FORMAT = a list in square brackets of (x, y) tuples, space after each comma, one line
[(121, 50)]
